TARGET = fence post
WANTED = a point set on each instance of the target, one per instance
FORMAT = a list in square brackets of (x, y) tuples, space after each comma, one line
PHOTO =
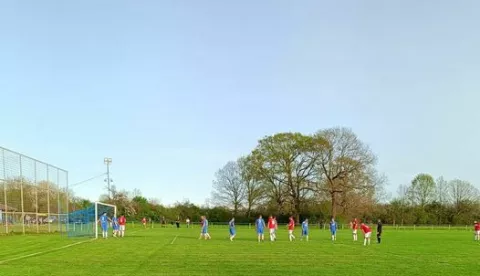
[(58, 201), (5, 191), (449, 227), (414, 227), (48, 198), (21, 195), (67, 198), (36, 194)]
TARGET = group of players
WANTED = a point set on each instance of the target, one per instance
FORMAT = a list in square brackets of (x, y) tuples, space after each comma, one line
[(272, 226), (118, 225)]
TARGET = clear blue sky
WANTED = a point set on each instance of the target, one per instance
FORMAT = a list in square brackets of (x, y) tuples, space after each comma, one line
[(172, 90)]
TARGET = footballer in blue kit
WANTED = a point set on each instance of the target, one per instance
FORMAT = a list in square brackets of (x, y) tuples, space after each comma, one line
[(333, 229), (104, 224), (204, 233), (305, 229), (115, 226), (231, 228), (260, 226)]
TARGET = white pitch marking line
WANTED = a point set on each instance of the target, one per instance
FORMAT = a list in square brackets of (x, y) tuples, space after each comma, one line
[(44, 252), (174, 239)]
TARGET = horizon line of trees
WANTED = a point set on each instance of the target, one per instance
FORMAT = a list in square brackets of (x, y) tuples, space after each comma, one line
[(330, 173)]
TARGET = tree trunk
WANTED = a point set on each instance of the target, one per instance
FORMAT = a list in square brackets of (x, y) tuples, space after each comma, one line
[(297, 211), (334, 211)]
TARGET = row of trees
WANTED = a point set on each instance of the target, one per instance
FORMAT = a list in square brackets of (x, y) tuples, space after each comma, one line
[(329, 173), (290, 173), (435, 202), (423, 201), (333, 173)]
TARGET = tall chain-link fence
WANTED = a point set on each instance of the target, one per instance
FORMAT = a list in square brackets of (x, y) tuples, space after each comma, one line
[(33, 195)]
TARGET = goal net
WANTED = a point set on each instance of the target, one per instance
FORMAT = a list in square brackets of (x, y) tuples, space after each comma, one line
[(83, 223)]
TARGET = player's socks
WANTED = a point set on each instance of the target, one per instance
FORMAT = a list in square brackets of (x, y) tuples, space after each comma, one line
[(364, 242)]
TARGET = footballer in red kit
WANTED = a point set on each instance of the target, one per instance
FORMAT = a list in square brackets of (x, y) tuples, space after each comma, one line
[(122, 221), (476, 226), (367, 231), (354, 225), (271, 227), (291, 227)]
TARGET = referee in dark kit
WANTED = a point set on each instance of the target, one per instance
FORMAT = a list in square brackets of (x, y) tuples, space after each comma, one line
[(379, 231)]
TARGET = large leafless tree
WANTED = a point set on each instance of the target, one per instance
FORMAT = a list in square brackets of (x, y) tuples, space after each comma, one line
[(228, 187), (345, 166)]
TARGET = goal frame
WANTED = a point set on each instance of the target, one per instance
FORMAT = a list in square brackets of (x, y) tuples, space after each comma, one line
[(96, 214)]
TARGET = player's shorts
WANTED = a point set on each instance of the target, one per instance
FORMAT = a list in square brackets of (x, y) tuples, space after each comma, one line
[(354, 231), (115, 227), (232, 231), (104, 226), (305, 232), (367, 235), (260, 231), (477, 232), (334, 232), (122, 227), (290, 232), (204, 230), (272, 231)]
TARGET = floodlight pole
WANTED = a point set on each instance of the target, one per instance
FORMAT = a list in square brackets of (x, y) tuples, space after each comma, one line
[(107, 161)]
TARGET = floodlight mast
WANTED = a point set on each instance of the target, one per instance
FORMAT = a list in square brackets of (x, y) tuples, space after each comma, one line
[(107, 161)]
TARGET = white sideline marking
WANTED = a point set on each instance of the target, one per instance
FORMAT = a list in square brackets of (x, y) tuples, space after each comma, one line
[(174, 239), (43, 252)]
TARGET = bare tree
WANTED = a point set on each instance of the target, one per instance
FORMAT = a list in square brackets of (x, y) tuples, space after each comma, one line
[(461, 193), (345, 165), (442, 190), (253, 187), (228, 188)]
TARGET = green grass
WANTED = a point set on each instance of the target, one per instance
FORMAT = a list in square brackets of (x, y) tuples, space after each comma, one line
[(151, 252)]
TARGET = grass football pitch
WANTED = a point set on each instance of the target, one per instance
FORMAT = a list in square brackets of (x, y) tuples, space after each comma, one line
[(169, 251)]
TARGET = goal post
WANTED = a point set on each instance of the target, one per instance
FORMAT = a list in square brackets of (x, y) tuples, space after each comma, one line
[(84, 222), (100, 208)]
